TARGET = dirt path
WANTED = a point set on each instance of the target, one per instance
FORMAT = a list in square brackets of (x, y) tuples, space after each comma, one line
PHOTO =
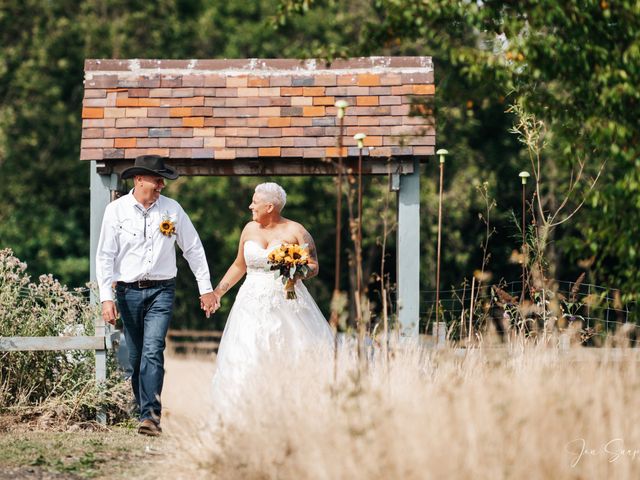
[(187, 392), (121, 453)]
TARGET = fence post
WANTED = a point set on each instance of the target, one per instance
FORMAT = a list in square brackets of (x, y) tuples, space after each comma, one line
[(564, 342), (473, 287), (101, 365), (440, 334)]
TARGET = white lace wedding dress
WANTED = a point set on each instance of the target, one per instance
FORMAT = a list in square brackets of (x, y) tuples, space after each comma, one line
[(266, 335)]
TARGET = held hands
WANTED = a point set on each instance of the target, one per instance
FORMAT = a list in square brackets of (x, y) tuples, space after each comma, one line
[(209, 302), (109, 312)]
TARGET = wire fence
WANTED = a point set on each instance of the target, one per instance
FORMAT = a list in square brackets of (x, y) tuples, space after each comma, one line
[(591, 311)]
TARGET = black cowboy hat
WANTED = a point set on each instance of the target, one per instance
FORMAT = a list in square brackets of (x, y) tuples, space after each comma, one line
[(150, 165)]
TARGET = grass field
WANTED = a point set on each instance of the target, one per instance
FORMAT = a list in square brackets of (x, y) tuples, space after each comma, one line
[(118, 453)]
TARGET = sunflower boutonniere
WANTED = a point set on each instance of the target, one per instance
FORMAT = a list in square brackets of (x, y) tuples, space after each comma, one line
[(167, 227)]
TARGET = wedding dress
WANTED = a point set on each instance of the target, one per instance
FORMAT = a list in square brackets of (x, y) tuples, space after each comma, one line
[(266, 335)]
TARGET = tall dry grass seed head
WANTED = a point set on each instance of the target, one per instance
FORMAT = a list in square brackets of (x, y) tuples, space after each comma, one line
[(527, 414)]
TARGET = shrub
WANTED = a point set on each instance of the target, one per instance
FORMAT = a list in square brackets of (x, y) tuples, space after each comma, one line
[(38, 380)]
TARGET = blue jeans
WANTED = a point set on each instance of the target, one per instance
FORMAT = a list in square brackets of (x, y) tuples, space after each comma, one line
[(146, 313)]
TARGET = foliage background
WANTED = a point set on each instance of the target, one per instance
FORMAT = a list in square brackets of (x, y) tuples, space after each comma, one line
[(574, 64)]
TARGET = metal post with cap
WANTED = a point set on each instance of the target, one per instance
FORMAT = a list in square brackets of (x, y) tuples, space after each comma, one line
[(523, 177), (442, 153), (341, 106), (359, 138)]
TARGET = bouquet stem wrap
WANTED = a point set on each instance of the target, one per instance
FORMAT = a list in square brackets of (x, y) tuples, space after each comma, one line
[(290, 290)]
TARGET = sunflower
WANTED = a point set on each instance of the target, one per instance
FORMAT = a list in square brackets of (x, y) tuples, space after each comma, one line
[(167, 228)]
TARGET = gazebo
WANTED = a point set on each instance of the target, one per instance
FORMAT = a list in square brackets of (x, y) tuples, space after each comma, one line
[(265, 117)]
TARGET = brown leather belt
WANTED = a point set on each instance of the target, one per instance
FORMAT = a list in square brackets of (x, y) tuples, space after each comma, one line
[(148, 283)]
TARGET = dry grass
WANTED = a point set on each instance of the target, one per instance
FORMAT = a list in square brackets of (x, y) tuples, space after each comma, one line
[(429, 415)]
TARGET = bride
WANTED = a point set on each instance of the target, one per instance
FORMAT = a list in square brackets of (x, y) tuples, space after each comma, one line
[(264, 328)]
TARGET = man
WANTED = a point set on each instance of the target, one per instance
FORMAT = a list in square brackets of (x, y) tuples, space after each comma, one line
[(136, 251)]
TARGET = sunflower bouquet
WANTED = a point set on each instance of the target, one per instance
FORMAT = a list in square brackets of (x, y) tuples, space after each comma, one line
[(289, 260)]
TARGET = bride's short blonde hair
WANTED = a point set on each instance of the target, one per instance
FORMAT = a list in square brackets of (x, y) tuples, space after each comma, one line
[(273, 193)]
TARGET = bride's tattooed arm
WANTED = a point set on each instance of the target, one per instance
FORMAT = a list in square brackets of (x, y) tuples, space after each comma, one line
[(222, 287), (313, 254)]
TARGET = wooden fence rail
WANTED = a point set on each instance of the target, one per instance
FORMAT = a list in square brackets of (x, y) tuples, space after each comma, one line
[(104, 339), (193, 342), (31, 344)]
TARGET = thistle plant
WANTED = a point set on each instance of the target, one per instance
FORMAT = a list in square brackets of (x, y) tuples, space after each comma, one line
[(60, 381)]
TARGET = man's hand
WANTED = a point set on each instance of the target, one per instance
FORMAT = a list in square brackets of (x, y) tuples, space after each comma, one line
[(109, 312), (209, 302)]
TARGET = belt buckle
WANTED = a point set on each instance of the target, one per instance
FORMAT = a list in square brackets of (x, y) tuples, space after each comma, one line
[(144, 283)]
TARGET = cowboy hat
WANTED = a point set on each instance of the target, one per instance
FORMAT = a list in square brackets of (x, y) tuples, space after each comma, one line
[(150, 165)]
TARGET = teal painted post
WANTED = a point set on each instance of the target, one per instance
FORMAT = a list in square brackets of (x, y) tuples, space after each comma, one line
[(101, 187), (408, 252)]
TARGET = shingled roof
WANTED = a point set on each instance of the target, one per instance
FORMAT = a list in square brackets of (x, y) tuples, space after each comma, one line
[(199, 110)]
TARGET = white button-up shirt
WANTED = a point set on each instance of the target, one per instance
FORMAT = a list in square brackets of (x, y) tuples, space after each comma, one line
[(132, 247)]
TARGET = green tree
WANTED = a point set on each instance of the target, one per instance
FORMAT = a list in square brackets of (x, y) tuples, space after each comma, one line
[(44, 190), (574, 65)]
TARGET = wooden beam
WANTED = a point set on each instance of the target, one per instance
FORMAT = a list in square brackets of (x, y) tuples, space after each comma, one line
[(14, 344), (271, 167), (194, 333)]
